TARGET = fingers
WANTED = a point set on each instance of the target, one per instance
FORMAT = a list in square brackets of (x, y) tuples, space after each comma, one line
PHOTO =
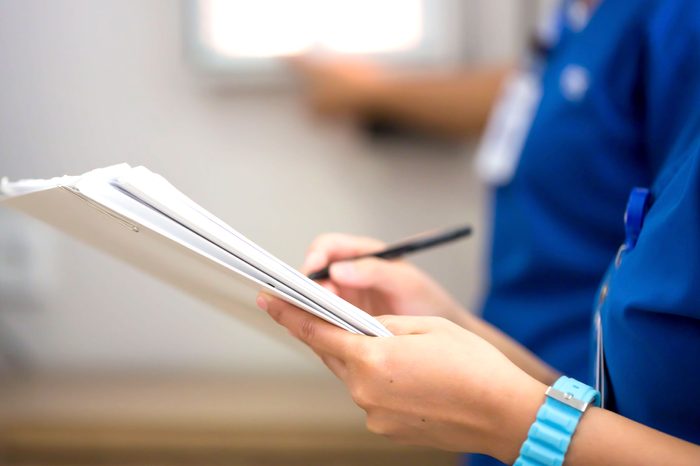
[(337, 246), (327, 284), (372, 272), (276, 308), (314, 261), (320, 335)]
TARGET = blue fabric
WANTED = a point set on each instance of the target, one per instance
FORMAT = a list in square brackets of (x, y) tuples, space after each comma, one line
[(651, 316), (558, 222)]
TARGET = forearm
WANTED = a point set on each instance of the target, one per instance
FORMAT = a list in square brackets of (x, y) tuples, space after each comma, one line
[(605, 438), (485, 403), (453, 105), (517, 353), (602, 438)]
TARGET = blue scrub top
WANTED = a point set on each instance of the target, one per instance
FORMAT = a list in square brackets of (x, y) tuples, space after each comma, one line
[(650, 315), (557, 223)]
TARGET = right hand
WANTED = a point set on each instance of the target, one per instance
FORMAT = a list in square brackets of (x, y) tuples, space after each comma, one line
[(375, 285)]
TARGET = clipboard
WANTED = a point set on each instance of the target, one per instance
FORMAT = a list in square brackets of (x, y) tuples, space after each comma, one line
[(138, 217)]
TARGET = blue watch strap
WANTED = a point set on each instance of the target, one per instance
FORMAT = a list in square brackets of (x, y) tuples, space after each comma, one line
[(550, 435)]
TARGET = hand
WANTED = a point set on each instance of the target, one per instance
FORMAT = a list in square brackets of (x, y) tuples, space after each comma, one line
[(378, 286), (339, 88), (433, 384)]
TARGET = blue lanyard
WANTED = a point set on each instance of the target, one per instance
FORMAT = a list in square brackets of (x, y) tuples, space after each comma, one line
[(638, 205)]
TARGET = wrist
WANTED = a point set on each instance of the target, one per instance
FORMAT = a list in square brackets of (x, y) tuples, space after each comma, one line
[(517, 411), (462, 317), (377, 97), (550, 436)]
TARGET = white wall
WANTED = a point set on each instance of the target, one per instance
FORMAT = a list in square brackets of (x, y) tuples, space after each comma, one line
[(89, 83)]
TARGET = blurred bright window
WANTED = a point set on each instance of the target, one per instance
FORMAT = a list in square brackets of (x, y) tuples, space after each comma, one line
[(247, 36), (264, 28)]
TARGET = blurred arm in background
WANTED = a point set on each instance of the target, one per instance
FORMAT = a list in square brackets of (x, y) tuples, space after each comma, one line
[(453, 104)]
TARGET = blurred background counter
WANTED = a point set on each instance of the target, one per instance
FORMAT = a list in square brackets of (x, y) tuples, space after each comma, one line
[(146, 420)]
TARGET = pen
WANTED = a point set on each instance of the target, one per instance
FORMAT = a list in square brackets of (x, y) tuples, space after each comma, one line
[(409, 245)]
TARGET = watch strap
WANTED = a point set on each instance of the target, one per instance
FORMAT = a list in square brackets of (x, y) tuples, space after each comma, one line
[(550, 435)]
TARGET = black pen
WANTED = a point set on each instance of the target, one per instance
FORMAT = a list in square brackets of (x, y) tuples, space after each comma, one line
[(409, 245)]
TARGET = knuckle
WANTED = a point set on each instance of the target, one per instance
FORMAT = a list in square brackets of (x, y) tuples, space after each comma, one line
[(385, 428), (307, 329), (374, 359), (275, 313), (358, 396), (361, 396), (376, 426), (320, 242)]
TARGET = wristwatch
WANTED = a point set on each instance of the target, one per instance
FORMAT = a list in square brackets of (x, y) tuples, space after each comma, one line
[(550, 435)]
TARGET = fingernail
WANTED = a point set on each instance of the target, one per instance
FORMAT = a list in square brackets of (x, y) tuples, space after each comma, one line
[(261, 302), (343, 270)]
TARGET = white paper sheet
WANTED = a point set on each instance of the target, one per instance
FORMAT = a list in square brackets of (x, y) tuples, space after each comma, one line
[(139, 198)]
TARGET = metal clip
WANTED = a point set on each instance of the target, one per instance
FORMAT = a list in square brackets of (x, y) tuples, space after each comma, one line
[(103, 209), (566, 398)]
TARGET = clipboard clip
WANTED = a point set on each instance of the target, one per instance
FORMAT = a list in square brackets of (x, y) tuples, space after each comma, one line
[(100, 208)]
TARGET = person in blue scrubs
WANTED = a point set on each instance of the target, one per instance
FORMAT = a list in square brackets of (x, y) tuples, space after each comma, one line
[(434, 383), (610, 102), (649, 306), (611, 105)]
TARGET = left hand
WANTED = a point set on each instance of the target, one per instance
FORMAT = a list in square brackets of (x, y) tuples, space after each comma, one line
[(378, 286), (433, 383), (340, 88)]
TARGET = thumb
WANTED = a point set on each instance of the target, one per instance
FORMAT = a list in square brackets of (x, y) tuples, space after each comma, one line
[(409, 325), (370, 272)]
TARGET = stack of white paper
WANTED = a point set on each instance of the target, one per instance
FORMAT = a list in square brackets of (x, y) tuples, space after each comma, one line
[(170, 236)]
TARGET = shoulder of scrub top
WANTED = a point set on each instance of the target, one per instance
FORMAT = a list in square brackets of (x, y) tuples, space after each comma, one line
[(661, 275), (670, 74)]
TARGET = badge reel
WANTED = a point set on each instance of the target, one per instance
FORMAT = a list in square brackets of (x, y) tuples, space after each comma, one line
[(504, 138), (508, 127), (637, 206)]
